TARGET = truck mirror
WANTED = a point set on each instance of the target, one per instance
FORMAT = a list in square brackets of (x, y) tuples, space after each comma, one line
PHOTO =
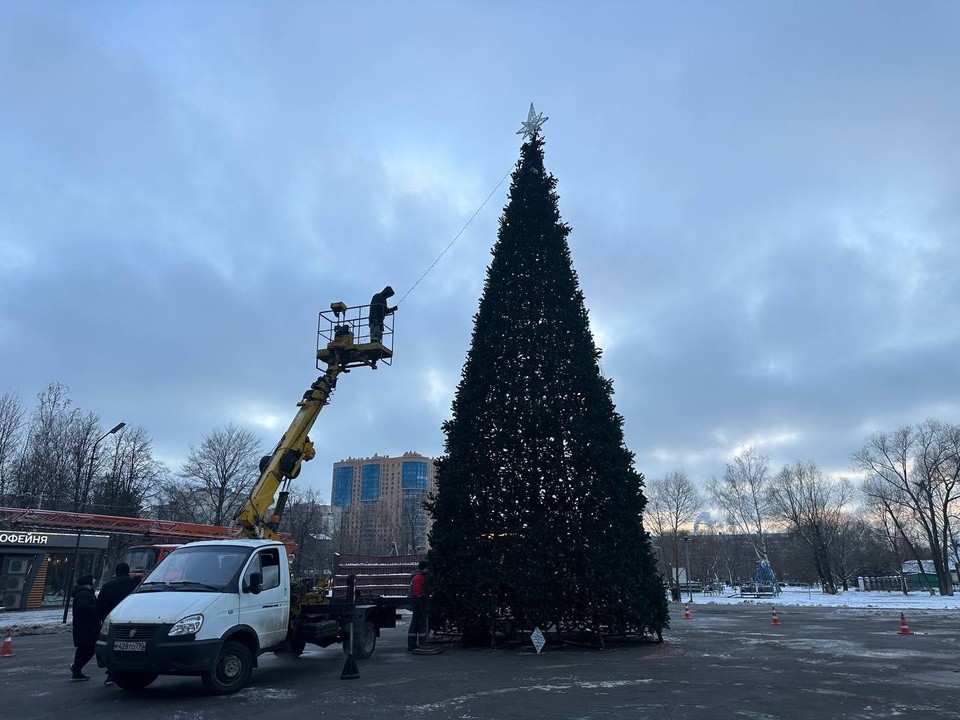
[(256, 583)]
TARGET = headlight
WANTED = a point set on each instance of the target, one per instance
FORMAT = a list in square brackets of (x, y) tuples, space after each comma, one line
[(189, 625), (105, 627)]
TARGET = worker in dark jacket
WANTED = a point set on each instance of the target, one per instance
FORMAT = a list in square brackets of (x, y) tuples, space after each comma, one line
[(115, 590), (86, 626), (112, 593), (378, 310)]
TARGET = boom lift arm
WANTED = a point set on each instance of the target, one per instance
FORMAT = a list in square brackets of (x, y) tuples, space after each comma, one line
[(338, 331)]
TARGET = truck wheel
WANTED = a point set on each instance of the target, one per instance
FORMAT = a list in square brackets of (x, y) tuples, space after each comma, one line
[(133, 679), (231, 671), (364, 640)]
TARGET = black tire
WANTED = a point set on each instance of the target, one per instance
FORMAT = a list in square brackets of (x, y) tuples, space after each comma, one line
[(133, 679), (364, 640), (231, 671)]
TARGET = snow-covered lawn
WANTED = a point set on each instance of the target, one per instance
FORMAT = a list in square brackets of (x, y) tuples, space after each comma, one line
[(852, 599), (35, 622)]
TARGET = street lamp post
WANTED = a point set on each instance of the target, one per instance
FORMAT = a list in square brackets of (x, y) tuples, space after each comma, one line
[(93, 458), (76, 550), (686, 550)]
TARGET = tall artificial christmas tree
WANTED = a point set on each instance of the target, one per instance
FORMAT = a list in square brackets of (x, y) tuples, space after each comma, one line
[(537, 514)]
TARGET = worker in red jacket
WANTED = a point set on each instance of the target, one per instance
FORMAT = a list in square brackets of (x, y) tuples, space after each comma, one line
[(419, 600)]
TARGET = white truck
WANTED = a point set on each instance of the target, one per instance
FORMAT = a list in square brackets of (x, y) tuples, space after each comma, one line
[(211, 608)]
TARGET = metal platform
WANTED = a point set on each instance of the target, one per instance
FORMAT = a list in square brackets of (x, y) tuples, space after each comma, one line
[(343, 337)]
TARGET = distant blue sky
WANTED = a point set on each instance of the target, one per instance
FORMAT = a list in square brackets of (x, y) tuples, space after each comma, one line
[(764, 202)]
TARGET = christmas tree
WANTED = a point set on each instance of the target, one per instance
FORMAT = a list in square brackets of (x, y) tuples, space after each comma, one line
[(537, 514)]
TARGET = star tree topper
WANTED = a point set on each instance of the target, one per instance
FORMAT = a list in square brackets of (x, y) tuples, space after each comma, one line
[(533, 124)]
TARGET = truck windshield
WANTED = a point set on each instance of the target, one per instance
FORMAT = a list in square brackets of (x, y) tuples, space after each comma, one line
[(197, 569)]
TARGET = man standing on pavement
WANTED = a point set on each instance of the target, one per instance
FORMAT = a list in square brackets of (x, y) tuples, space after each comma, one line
[(419, 601), (86, 626), (112, 593)]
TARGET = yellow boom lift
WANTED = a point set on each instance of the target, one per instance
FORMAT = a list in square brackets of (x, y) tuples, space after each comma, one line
[(343, 342)]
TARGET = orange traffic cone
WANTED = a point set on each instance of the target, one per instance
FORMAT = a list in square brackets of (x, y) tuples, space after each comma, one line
[(686, 612), (7, 649), (904, 628), (775, 620)]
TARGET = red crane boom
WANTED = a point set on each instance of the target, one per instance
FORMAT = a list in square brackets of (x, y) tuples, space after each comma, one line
[(56, 520)]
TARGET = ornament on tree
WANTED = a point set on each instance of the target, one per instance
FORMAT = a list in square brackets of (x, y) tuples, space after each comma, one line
[(533, 124)]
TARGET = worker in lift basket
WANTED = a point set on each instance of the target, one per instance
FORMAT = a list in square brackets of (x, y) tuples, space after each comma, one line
[(379, 310)]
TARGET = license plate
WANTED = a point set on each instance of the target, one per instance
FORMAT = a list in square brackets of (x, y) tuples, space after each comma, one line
[(130, 645)]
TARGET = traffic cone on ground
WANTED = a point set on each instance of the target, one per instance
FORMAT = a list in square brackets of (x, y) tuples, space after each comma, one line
[(686, 612), (904, 628), (7, 649), (775, 620)]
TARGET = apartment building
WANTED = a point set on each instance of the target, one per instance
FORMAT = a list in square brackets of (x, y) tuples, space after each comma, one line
[(378, 503)]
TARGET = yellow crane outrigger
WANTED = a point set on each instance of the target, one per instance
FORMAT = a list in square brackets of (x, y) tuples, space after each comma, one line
[(343, 342)]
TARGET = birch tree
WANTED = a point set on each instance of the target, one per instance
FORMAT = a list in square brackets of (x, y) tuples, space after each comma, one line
[(742, 496)]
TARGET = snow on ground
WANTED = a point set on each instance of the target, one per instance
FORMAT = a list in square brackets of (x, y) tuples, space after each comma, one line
[(50, 620), (793, 596), (35, 622)]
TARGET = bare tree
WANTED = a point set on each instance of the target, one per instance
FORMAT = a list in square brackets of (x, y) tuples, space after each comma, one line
[(80, 437), (381, 531), (184, 501), (345, 540), (886, 543), (672, 503), (133, 478), (307, 519), (43, 475), (11, 436), (741, 494), (916, 468), (223, 469), (847, 558), (413, 522), (813, 505)]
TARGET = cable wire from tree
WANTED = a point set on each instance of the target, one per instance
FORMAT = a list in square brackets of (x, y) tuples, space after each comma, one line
[(456, 237)]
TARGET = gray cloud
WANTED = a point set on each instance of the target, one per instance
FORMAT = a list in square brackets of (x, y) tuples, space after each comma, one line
[(763, 202)]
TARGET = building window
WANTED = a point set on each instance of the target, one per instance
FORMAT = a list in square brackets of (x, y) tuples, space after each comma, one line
[(343, 486), (370, 482), (414, 476)]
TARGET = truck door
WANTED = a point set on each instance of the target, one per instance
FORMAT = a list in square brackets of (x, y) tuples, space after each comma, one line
[(269, 610)]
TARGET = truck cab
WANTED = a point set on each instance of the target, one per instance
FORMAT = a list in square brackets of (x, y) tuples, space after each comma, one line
[(142, 559), (209, 608)]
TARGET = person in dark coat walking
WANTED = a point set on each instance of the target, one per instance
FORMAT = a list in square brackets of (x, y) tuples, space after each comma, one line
[(378, 310), (112, 593), (86, 626), (115, 590)]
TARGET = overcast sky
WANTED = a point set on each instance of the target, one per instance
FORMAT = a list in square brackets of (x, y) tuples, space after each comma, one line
[(764, 200)]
